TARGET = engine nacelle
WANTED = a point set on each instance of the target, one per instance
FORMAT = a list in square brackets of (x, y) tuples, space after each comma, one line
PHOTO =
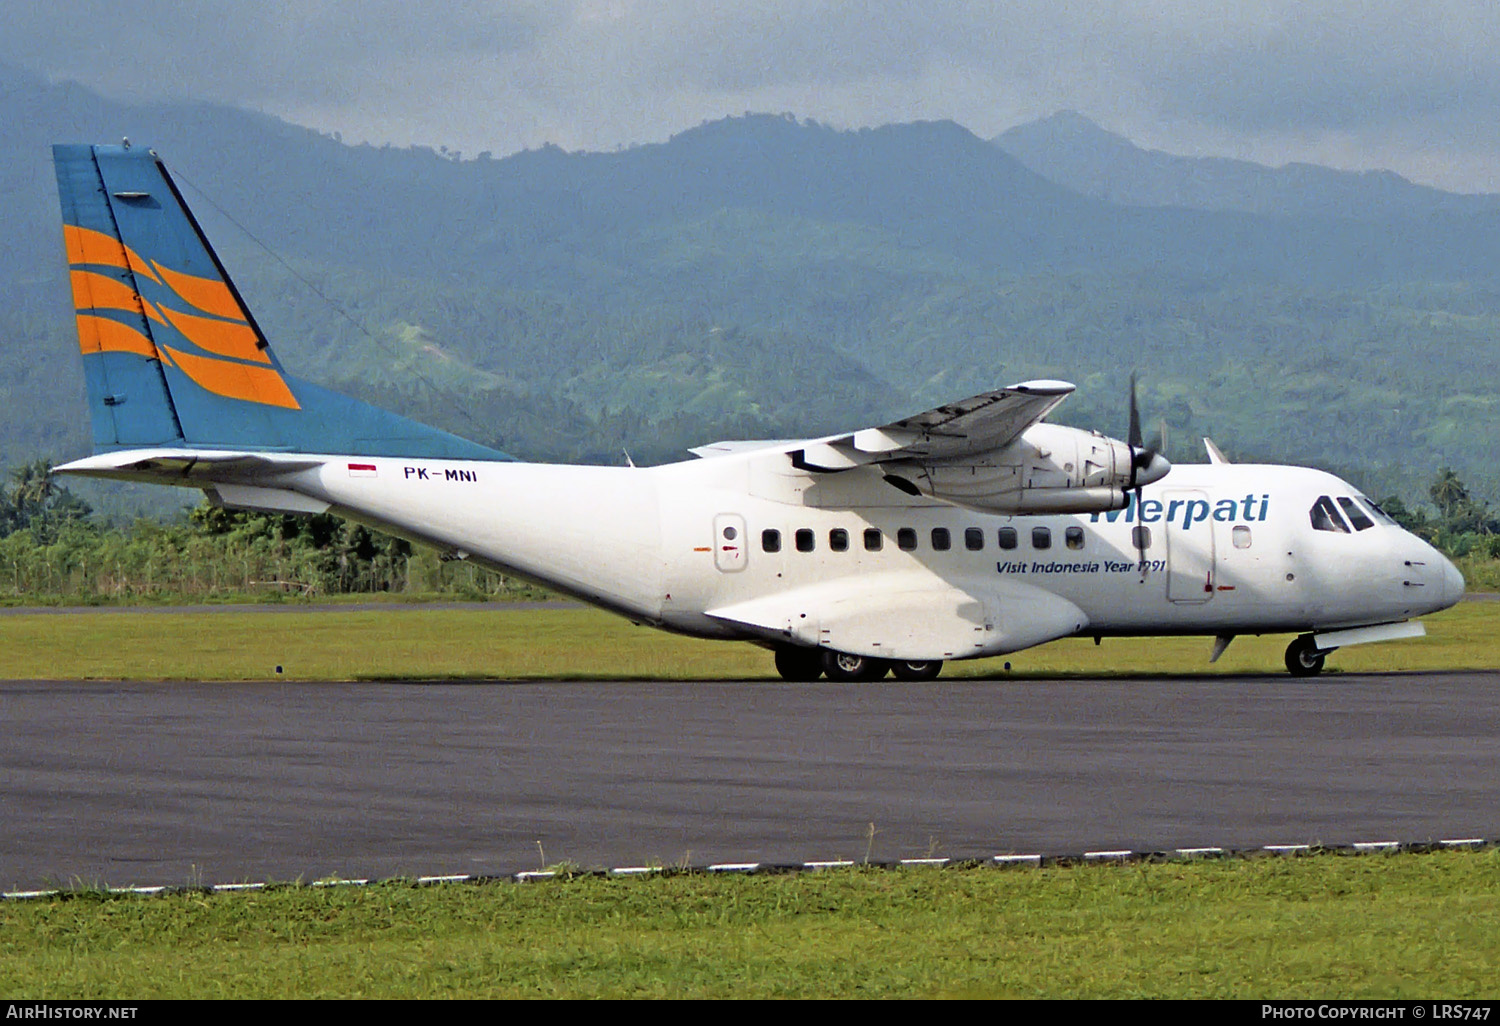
[(1048, 469)]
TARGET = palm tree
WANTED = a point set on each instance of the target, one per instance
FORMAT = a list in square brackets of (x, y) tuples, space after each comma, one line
[(1448, 493), (33, 486)]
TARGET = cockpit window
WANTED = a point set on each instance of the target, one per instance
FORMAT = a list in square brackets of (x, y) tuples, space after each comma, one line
[(1325, 516), (1355, 514), (1380, 515)]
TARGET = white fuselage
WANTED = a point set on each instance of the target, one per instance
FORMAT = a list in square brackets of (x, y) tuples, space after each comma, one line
[(712, 548)]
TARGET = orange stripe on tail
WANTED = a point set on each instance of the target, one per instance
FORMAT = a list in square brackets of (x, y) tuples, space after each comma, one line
[(86, 246), (102, 335), (98, 292), (236, 380), (207, 294), (220, 337)]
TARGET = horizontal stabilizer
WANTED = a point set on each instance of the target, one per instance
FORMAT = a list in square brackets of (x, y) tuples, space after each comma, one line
[(190, 468)]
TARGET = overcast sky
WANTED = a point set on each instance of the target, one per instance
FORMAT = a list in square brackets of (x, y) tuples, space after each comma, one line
[(1414, 87)]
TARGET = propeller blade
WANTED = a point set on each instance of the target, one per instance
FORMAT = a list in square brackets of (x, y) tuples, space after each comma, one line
[(1134, 438), (1140, 459), (1140, 535)]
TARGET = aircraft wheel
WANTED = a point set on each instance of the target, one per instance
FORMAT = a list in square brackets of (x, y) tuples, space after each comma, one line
[(799, 664), (921, 669), (1304, 660), (842, 667)]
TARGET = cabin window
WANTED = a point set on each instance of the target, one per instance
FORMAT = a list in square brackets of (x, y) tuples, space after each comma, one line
[(1240, 536), (1041, 537), (805, 540), (906, 539), (838, 540), (770, 540), (1325, 516), (973, 539), (1074, 537), (873, 539), (940, 539), (1007, 537), (1140, 538), (1355, 514)]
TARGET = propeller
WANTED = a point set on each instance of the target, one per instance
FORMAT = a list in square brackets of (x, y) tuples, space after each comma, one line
[(1146, 466)]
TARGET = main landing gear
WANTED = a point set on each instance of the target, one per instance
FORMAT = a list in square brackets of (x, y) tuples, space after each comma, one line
[(922, 669), (1304, 659), (808, 664), (853, 668), (799, 664)]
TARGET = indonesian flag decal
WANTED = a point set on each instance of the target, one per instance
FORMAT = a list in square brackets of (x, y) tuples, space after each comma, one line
[(362, 470)]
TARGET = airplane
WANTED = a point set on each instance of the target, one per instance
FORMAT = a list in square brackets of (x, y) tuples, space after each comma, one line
[(973, 529)]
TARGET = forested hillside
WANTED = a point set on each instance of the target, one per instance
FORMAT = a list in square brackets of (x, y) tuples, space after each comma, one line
[(760, 276)]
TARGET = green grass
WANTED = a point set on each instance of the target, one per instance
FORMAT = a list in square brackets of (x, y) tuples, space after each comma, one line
[(1367, 926), (516, 643), (1316, 927)]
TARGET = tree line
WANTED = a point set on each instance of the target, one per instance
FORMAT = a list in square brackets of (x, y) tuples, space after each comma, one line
[(1460, 524), (54, 548)]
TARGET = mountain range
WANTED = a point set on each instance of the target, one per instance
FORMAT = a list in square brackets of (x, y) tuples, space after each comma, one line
[(1069, 149), (764, 276)]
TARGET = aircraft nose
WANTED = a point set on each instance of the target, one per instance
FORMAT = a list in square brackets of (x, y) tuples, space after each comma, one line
[(1453, 583)]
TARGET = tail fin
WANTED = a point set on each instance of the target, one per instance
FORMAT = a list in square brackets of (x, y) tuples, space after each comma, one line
[(172, 356)]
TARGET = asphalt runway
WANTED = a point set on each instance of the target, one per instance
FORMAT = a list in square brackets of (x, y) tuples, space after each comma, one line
[(174, 784)]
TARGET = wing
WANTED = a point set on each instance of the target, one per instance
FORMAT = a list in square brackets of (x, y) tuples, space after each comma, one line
[(988, 452), (967, 428)]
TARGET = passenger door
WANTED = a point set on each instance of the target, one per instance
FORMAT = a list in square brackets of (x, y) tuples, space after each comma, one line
[(1190, 549), (731, 547)]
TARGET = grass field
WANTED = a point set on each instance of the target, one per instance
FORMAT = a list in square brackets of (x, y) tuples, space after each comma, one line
[(513, 642), (1328, 926), (1408, 925)]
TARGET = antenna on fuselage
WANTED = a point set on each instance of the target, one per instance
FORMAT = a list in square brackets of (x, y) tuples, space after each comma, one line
[(1215, 455)]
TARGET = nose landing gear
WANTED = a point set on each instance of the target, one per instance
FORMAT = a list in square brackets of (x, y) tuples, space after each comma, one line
[(1303, 659)]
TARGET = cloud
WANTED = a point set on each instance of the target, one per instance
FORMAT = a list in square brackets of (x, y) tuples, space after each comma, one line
[(1301, 68), (258, 50), (1374, 81)]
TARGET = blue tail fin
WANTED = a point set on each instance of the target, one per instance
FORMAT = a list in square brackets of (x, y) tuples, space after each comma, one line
[(172, 356)]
